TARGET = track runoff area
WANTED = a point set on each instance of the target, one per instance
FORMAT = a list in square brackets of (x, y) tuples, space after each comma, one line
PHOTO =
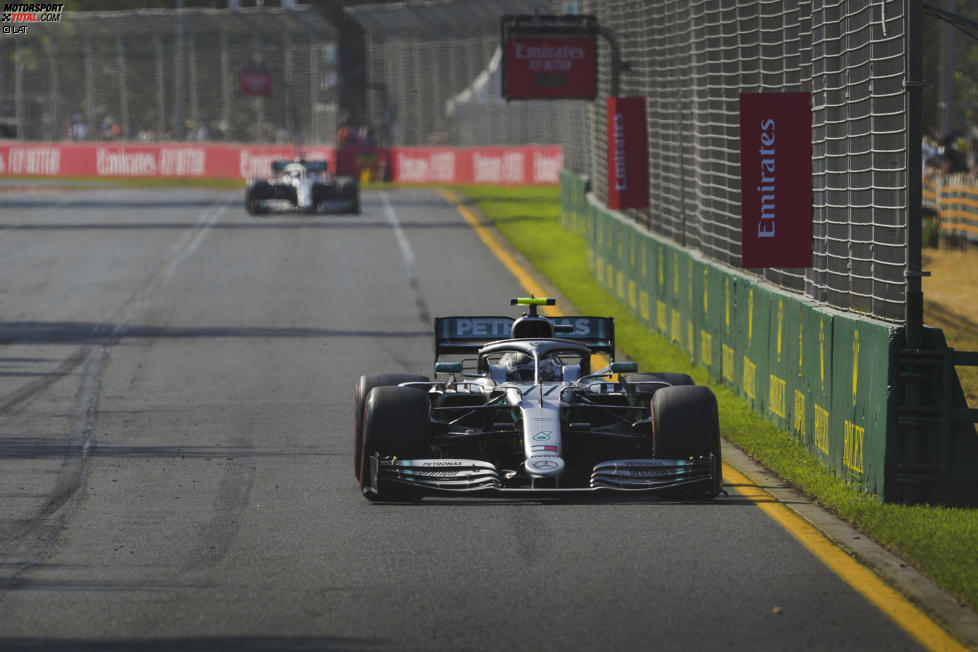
[(891, 602)]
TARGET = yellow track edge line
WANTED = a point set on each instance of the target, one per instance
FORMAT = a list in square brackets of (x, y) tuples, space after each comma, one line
[(887, 599), (891, 602)]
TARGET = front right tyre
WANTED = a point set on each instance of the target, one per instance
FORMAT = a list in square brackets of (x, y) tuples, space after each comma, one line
[(255, 193), (360, 391), (397, 423)]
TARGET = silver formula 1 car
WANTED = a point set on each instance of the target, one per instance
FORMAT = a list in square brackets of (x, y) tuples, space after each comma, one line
[(523, 413), (304, 186)]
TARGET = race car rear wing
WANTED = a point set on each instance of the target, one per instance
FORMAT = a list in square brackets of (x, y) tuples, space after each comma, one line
[(462, 335)]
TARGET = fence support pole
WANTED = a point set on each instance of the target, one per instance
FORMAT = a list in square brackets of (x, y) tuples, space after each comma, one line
[(618, 65), (19, 111), (226, 73), (192, 85), (312, 129), (54, 96), (89, 88), (178, 131), (120, 53), (914, 316)]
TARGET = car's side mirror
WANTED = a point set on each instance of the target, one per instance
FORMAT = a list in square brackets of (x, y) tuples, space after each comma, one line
[(623, 367), (448, 367)]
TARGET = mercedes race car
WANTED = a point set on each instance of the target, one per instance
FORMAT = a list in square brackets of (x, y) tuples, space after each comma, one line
[(522, 413), (304, 186)]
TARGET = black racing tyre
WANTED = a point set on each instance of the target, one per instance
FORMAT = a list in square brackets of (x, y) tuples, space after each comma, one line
[(360, 392), (351, 191), (397, 422), (255, 192), (686, 423), (670, 377), (318, 195)]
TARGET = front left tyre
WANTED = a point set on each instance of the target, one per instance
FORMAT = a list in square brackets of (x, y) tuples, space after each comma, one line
[(686, 424)]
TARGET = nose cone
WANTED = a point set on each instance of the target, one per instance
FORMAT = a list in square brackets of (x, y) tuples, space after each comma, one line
[(544, 466)]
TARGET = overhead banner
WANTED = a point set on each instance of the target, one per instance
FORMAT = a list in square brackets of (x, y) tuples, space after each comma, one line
[(776, 179), (550, 68), (628, 153)]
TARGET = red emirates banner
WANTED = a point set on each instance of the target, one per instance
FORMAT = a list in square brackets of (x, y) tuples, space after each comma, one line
[(628, 153), (776, 180), (517, 165), (550, 68)]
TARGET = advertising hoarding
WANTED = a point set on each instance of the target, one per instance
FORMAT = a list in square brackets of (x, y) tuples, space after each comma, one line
[(628, 153), (776, 179)]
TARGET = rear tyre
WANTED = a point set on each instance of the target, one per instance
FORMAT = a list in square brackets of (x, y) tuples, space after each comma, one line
[(317, 198), (685, 424), (665, 376), (360, 392), (396, 423)]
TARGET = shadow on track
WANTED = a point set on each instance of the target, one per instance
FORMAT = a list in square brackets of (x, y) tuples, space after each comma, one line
[(200, 644), (38, 332)]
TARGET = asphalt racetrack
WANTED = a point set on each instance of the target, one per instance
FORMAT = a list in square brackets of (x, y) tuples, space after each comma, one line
[(176, 441)]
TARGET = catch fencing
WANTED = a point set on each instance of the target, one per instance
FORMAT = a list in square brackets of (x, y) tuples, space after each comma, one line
[(176, 75), (433, 76), (432, 79), (431, 71), (692, 59)]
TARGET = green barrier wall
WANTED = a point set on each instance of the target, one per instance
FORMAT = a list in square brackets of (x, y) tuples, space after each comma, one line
[(828, 378)]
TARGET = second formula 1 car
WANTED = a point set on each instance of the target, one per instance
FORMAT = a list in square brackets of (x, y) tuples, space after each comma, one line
[(304, 186)]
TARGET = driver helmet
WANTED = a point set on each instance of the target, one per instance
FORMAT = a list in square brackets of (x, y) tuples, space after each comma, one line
[(551, 369), (519, 366)]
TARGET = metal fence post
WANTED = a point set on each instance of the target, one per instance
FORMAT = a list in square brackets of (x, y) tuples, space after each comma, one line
[(89, 86), (312, 130), (160, 125), (226, 74), (192, 87), (178, 75), (54, 95), (19, 88), (259, 105), (913, 324), (120, 51), (288, 94)]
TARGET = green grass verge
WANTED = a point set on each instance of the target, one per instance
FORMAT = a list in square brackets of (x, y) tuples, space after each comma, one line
[(942, 542)]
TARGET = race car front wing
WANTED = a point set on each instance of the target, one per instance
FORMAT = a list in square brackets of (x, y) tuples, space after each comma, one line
[(476, 476)]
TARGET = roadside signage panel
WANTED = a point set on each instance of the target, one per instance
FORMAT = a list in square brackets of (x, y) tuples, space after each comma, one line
[(550, 68), (628, 153), (776, 179)]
